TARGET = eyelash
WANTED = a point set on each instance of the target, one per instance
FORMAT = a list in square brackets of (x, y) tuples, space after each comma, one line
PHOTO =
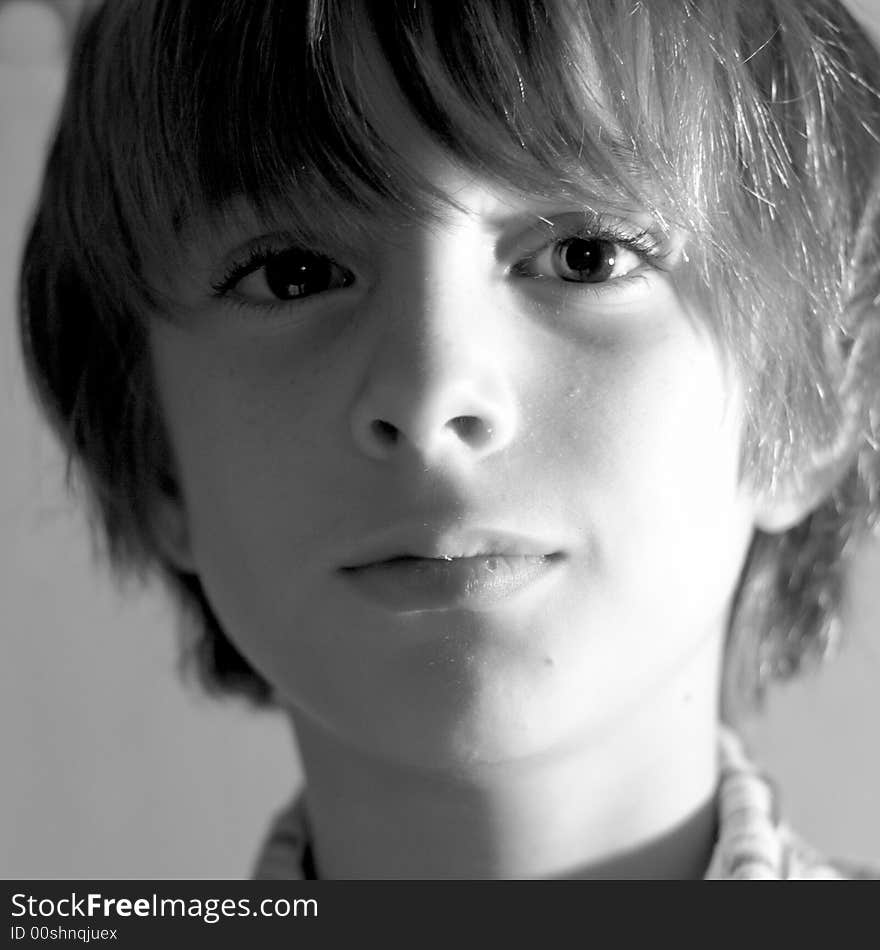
[(256, 256), (648, 246)]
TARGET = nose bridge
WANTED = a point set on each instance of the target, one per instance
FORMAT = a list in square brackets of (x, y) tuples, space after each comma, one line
[(437, 377), (436, 322)]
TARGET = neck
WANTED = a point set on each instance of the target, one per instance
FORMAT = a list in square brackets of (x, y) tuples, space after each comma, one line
[(635, 800)]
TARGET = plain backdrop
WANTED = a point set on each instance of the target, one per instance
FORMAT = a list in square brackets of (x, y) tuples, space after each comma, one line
[(111, 768)]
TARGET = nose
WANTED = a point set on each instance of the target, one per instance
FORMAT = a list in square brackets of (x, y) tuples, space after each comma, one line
[(439, 381), (395, 420)]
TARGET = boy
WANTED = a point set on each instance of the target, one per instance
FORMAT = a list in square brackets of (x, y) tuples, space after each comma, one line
[(497, 388)]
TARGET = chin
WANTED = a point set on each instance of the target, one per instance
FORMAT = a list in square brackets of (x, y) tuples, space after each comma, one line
[(464, 731)]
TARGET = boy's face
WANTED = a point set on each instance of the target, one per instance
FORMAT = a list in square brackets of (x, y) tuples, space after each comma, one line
[(474, 488)]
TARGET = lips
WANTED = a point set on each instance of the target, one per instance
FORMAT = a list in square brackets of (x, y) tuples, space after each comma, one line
[(448, 543), (425, 570)]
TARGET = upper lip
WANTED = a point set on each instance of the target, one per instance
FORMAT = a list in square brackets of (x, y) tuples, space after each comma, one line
[(447, 543)]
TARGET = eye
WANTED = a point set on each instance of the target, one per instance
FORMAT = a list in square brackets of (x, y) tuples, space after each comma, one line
[(589, 260), (270, 276), (586, 259)]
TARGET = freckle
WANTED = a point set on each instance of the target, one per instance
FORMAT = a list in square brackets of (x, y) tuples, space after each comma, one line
[(549, 661)]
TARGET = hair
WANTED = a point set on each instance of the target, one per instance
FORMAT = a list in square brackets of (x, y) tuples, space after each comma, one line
[(755, 126)]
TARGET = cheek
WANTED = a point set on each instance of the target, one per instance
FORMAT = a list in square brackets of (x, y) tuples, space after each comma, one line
[(250, 434), (250, 437), (675, 521)]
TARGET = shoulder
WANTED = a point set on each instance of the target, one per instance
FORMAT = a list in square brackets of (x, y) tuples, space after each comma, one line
[(284, 851), (805, 863), (754, 843)]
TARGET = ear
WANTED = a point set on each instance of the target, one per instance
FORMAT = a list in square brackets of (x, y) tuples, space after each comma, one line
[(170, 524), (793, 498)]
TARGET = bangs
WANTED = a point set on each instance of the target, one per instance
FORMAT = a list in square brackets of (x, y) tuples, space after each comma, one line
[(275, 103), (658, 106), (724, 119)]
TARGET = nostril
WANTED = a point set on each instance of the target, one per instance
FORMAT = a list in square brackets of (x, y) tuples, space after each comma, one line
[(471, 429), (384, 432)]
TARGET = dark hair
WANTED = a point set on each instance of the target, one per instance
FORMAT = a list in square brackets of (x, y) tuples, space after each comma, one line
[(754, 126)]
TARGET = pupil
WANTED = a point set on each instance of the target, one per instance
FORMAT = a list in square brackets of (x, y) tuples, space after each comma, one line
[(294, 274), (591, 259)]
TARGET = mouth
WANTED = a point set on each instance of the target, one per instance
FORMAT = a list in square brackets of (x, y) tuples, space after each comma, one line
[(476, 571)]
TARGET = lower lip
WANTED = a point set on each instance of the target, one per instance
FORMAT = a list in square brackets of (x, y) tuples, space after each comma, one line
[(413, 584)]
